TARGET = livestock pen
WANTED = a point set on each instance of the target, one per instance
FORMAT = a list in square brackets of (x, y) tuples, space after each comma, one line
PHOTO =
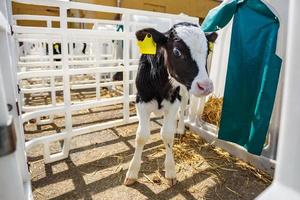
[(75, 123)]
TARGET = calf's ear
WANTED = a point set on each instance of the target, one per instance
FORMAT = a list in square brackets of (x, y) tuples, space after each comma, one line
[(211, 37), (157, 36)]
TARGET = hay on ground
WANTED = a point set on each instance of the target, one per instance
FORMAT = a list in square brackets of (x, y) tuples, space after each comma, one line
[(212, 110)]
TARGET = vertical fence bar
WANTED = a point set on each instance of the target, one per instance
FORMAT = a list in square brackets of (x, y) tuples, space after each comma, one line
[(52, 78), (97, 78), (200, 107), (96, 65), (126, 68), (71, 49), (193, 109), (66, 80), (134, 90)]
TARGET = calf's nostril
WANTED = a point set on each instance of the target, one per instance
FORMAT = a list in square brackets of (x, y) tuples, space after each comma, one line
[(200, 86)]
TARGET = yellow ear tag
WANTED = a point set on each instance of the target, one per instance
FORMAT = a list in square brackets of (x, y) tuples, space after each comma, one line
[(147, 46), (210, 46), (56, 46)]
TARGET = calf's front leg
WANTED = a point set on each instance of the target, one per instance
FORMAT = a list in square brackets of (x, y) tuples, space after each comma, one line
[(167, 133), (142, 136)]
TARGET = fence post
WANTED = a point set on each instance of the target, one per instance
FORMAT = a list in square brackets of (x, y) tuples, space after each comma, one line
[(286, 180), (11, 181)]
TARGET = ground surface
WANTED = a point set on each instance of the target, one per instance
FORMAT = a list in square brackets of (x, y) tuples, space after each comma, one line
[(98, 162)]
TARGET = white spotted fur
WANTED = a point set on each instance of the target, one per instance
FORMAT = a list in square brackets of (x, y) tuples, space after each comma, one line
[(190, 34)]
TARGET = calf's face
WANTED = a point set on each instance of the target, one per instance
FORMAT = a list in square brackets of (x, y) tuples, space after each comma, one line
[(185, 50)]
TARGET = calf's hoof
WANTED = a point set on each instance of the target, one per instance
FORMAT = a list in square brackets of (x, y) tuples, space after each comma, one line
[(171, 181), (129, 181)]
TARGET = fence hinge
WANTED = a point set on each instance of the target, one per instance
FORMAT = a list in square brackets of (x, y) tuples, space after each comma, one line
[(9, 107), (7, 139), (11, 30), (18, 109), (18, 88)]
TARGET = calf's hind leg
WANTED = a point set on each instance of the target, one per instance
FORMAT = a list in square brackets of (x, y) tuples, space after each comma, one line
[(142, 136)]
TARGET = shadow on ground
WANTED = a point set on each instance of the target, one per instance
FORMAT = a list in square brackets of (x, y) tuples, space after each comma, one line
[(98, 162)]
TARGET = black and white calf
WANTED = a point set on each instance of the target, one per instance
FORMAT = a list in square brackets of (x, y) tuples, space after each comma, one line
[(178, 67)]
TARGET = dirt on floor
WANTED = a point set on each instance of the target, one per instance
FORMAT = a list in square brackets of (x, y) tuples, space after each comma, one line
[(98, 162)]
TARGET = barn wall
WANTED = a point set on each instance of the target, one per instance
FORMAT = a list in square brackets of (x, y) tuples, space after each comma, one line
[(197, 8)]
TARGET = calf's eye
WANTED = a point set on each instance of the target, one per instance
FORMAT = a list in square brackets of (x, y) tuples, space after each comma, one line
[(176, 52)]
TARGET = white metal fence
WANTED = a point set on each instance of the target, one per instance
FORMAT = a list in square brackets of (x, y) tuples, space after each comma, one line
[(52, 73)]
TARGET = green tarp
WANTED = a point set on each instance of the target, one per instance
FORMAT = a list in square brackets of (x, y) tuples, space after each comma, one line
[(253, 71)]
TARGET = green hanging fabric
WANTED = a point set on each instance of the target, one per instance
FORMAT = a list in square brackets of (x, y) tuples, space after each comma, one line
[(219, 17), (252, 73)]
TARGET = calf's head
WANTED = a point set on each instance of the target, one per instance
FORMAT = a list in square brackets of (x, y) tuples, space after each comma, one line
[(185, 49)]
